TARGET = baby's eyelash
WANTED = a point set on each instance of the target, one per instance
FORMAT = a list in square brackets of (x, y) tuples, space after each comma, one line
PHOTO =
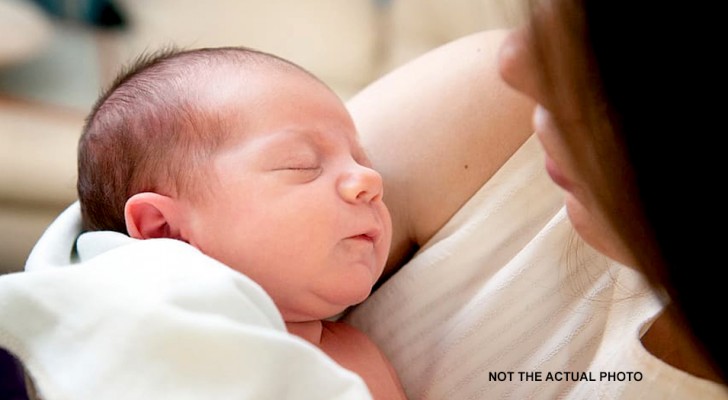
[(302, 168), (306, 174)]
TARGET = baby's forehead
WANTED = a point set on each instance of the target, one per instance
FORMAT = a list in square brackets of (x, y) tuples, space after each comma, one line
[(242, 99), (233, 90), (292, 138)]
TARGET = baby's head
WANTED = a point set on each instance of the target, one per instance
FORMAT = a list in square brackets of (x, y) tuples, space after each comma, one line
[(156, 127), (250, 159)]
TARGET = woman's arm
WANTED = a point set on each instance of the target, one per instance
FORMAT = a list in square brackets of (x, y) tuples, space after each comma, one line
[(437, 128)]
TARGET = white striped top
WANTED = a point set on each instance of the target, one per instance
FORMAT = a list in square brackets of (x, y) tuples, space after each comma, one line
[(504, 303)]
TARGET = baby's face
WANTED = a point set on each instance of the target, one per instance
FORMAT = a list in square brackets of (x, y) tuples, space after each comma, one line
[(295, 204)]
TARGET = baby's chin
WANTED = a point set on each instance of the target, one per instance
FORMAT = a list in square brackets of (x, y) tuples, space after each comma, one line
[(350, 297), (327, 309)]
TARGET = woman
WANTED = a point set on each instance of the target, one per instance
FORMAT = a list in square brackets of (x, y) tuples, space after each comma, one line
[(611, 146), (613, 135)]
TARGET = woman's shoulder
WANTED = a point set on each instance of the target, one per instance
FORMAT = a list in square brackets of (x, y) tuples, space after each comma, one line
[(437, 128)]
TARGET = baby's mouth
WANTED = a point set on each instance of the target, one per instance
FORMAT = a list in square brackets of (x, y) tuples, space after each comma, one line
[(364, 236)]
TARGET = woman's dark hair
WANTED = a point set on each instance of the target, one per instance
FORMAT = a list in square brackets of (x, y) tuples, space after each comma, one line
[(637, 101)]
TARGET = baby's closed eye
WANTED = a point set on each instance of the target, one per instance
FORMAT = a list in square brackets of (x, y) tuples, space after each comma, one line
[(299, 160), (303, 172), (299, 168)]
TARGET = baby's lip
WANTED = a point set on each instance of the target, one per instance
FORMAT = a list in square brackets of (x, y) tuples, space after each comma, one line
[(370, 235)]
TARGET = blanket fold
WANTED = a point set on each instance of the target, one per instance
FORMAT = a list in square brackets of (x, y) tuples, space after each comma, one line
[(153, 319)]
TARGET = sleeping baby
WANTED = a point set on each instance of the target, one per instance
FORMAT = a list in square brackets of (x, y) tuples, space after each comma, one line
[(255, 162)]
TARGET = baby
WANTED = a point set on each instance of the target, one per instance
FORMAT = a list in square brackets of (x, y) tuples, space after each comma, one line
[(256, 163)]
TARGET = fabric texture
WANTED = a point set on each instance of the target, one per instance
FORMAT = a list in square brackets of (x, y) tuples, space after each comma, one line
[(130, 319), (504, 294), (621, 350)]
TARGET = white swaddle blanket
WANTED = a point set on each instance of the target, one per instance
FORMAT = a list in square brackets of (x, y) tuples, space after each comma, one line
[(153, 319)]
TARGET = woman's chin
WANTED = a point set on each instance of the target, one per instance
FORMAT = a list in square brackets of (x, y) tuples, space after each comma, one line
[(596, 234)]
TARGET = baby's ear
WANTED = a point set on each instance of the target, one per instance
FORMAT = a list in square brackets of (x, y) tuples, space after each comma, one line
[(152, 215)]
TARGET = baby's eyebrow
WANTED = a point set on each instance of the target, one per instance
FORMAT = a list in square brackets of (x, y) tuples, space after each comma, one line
[(288, 137), (321, 142), (294, 144)]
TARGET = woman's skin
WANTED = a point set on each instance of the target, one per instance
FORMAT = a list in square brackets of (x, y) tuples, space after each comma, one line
[(519, 69), (462, 123)]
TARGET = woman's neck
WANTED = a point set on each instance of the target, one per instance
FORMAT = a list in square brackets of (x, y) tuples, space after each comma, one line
[(670, 340), (307, 330)]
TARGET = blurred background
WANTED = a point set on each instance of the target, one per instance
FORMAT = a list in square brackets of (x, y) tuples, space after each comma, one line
[(57, 55)]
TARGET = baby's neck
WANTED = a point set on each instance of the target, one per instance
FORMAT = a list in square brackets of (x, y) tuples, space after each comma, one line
[(308, 330)]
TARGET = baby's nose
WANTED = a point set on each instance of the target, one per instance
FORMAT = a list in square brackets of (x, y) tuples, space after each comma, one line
[(361, 184)]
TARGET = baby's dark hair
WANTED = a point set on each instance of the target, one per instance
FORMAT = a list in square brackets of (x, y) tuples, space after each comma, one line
[(148, 133)]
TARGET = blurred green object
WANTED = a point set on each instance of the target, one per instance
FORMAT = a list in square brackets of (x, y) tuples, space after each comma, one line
[(97, 13)]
